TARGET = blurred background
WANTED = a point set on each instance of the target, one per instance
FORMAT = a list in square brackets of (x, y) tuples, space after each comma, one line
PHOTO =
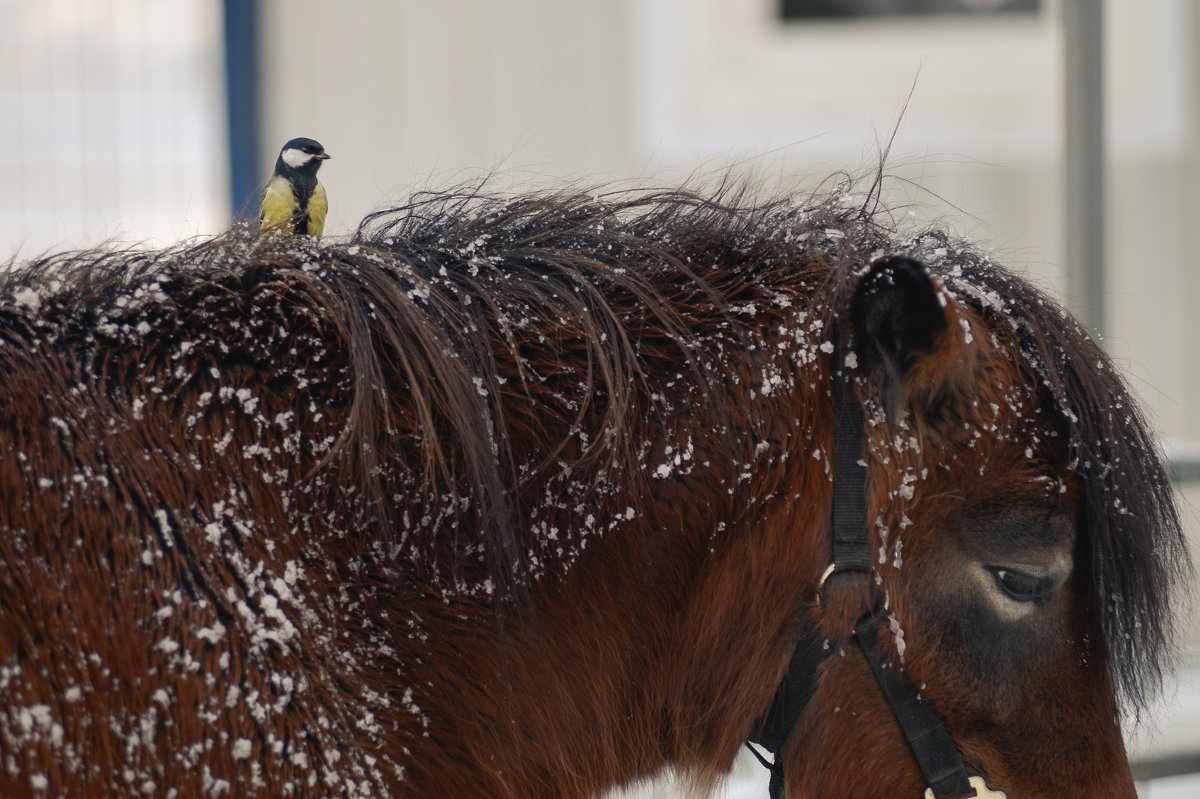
[(148, 121)]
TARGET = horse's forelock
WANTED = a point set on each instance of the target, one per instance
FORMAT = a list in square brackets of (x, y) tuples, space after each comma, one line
[(1134, 541)]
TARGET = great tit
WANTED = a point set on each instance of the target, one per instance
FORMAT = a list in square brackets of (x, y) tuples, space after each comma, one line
[(293, 201)]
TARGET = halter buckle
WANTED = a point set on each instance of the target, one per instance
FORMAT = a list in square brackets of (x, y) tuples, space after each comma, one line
[(830, 569), (981, 790), (833, 569)]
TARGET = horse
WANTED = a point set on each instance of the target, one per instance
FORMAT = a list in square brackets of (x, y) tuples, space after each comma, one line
[(533, 495)]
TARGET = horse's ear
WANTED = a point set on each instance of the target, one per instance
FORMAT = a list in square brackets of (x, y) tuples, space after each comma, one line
[(901, 319)]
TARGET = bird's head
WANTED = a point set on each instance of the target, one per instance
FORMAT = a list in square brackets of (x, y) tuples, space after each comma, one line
[(303, 154)]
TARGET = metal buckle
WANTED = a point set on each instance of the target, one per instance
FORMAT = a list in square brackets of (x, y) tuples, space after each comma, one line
[(831, 570), (981, 790)]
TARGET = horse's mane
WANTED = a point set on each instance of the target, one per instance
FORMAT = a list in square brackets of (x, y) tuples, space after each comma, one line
[(467, 309)]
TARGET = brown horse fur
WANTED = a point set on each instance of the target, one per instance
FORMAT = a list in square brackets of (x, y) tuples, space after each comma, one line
[(524, 497)]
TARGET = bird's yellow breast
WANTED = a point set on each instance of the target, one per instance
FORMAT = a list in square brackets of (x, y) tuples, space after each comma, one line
[(318, 206), (279, 205)]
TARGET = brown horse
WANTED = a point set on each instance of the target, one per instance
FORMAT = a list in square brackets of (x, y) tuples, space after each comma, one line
[(529, 497)]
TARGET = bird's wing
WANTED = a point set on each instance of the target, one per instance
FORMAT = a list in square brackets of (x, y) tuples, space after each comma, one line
[(278, 205), (318, 206)]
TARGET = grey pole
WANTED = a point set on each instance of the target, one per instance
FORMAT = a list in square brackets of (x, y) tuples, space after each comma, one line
[(1083, 73)]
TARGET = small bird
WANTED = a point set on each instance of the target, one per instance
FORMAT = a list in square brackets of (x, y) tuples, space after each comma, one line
[(293, 201)]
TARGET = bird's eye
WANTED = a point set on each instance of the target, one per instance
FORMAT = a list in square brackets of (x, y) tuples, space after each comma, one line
[(1021, 587)]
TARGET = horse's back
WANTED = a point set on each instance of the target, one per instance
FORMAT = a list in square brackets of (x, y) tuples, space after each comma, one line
[(166, 625)]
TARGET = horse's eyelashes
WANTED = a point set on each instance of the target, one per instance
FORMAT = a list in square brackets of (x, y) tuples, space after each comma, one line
[(1020, 586)]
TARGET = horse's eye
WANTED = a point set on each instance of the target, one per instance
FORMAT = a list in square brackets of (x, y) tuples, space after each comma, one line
[(1021, 587)]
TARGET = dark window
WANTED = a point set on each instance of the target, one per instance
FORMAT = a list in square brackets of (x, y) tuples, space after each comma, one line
[(825, 9)]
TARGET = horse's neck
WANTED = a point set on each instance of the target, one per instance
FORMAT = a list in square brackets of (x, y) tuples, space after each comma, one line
[(636, 652)]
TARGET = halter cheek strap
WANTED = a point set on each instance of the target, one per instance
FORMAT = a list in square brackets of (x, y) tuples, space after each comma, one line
[(851, 535), (924, 730)]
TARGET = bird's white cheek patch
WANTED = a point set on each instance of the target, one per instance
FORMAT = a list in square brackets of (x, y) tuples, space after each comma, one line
[(295, 158)]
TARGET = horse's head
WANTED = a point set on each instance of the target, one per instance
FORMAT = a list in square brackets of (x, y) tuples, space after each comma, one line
[(1022, 539)]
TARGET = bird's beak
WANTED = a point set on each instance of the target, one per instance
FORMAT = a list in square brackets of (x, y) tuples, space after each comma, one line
[(324, 156)]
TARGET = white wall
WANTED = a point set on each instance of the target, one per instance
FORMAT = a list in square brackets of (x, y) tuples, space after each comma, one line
[(111, 123)]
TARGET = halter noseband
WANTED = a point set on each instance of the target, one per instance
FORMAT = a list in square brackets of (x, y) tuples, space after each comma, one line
[(923, 728)]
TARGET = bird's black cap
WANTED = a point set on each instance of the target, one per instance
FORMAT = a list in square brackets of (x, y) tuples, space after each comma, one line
[(310, 146)]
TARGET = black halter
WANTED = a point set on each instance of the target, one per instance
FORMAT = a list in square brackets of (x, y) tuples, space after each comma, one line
[(931, 744)]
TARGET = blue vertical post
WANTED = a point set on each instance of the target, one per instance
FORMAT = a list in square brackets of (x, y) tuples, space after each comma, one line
[(241, 93)]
